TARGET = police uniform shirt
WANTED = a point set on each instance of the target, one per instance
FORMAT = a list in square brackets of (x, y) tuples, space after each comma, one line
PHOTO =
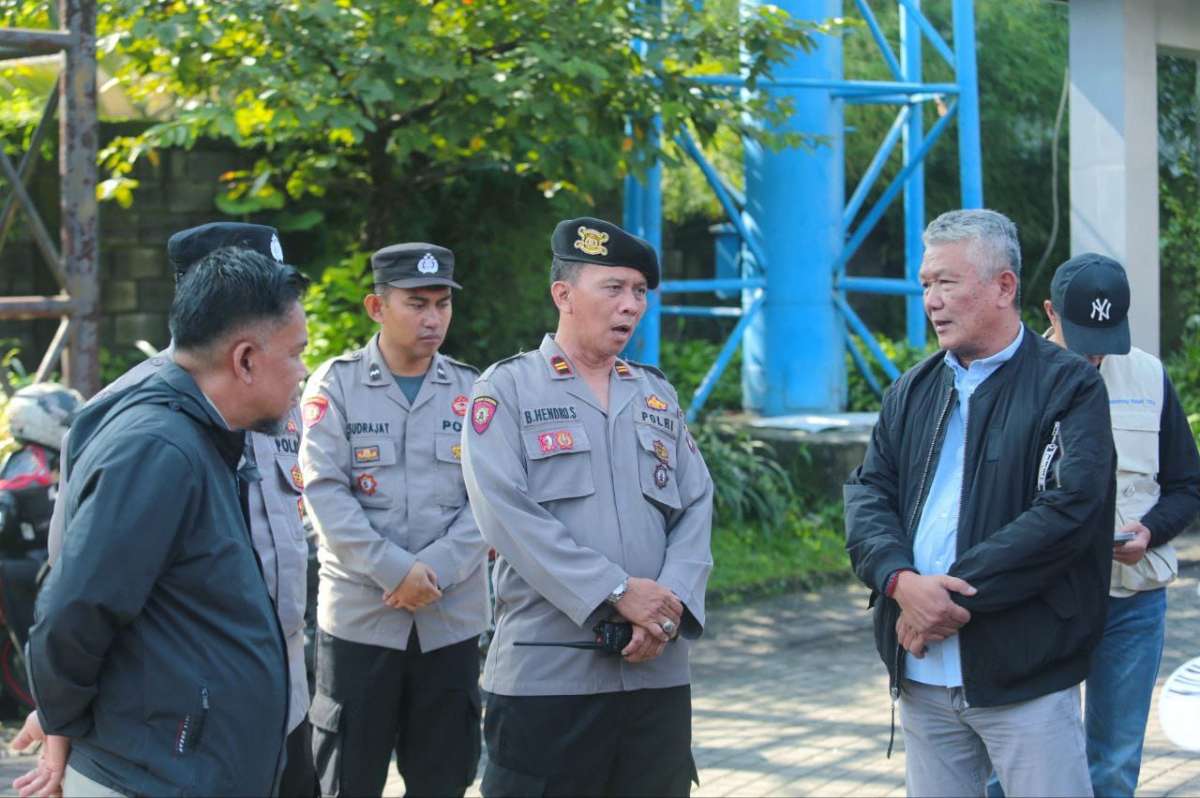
[(574, 500), (384, 488), (276, 527)]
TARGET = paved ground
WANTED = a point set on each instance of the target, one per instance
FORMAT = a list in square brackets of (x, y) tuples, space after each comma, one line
[(790, 699)]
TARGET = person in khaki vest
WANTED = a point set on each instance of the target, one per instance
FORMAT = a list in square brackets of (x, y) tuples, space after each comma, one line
[(586, 481), (1158, 495), (403, 590)]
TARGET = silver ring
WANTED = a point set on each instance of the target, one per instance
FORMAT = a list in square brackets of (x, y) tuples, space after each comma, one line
[(668, 627)]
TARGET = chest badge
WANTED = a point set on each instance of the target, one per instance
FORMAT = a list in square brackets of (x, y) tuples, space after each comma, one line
[(459, 405), (366, 454), (660, 451), (297, 476), (367, 484), (314, 410), (291, 427), (654, 403), (661, 477), (561, 441), (482, 413), (456, 451), (300, 507)]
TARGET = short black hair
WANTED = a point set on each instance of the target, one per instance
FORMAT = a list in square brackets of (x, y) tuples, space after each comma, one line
[(566, 271), (228, 289)]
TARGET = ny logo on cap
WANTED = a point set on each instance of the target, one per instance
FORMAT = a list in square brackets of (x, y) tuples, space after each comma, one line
[(276, 248), (427, 264), (1101, 308)]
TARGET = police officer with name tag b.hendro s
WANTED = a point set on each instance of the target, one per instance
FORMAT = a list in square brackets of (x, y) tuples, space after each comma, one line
[(403, 586), (584, 478)]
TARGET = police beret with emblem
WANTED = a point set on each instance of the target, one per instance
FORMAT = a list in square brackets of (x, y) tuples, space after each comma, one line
[(187, 247), (589, 240), (413, 266)]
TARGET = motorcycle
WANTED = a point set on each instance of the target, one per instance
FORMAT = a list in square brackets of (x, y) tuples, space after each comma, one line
[(38, 418)]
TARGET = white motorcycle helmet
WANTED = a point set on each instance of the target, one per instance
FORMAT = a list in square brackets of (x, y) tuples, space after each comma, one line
[(41, 413)]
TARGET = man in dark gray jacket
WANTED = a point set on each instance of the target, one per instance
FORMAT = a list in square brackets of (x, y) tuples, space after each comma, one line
[(156, 647)]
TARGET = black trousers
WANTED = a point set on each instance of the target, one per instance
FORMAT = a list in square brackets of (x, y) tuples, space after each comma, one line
[(372, 701), (618, 744), (299, 779)]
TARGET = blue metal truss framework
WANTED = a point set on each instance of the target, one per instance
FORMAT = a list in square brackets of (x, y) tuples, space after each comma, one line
[(960, 100)]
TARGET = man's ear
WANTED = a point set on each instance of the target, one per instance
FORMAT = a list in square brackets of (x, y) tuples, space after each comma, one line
[(560, 292), (1051, 316), (374, 305), (1008, 288), (242, 356)]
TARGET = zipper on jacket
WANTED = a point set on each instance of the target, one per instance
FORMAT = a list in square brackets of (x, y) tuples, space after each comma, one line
[(937, 434)]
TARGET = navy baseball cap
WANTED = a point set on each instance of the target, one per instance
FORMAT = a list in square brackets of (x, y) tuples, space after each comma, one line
[(590, 240), (1090, 294), (187, 247)]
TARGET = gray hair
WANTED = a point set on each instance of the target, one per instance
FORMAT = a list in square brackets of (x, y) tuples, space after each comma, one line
[(566, 271), (993, 246)]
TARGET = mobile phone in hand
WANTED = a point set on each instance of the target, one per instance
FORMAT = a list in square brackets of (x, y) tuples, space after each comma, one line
[(1121, 538)]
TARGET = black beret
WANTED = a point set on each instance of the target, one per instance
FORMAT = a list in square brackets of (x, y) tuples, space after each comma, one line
[(188, 246), (413, 265), (589, 240)]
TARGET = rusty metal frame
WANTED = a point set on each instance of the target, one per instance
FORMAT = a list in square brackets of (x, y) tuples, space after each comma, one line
[(74, 261)]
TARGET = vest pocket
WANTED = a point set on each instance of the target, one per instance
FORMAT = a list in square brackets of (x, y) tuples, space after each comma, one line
[(451, 490), (372, 474)]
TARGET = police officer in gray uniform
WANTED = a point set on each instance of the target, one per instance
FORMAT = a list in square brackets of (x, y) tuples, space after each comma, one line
[(585, 480), (276, 511), (403, 590)]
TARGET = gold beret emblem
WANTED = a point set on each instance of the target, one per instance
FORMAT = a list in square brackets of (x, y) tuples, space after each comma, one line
[(591, 242)]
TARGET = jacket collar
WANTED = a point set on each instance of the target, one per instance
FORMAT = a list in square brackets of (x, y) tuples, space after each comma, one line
[(193, 402)]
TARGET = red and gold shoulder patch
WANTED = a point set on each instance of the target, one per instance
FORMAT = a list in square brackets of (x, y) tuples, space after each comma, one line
[(314, 410), (654, 403), (483, 410), (459, 405), (560, 364)]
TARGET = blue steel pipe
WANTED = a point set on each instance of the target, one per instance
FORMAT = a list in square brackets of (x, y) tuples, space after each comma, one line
[(887, 99), (859, 86), (864, 367), (709, 382), (699, 286), (969, 151), (717, 312), (914, 188), (732, 210), (934, 37), (860, 329), (884, 49), (876, 212), (879, 285), (874, 169)]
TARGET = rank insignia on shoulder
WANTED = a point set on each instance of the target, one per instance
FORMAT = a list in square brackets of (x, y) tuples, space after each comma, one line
[(291, 426), (654, 403), (623, 369), (456, 451), (660, 451), (375, 373), (560, 364), (660, 475), (367, 484), (314, 410), (297, 476), (459, 405), (366, 454), (483, 410)]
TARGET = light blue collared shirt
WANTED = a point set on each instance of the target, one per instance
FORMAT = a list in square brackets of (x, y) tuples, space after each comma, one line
[(936, 545)]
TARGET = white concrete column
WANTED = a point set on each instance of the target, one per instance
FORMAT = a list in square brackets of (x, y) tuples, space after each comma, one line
[(1114, 146)]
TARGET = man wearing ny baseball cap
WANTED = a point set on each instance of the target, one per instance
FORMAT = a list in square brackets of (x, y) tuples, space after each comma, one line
[(1158, 494)]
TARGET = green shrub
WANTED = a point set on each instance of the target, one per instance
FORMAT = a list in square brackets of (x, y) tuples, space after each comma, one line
[(1183, 366), (750, 487), (686, 361), (860, 397)]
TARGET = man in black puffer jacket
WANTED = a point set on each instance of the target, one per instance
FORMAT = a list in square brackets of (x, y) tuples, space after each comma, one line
[(981, 519), (156, 647)]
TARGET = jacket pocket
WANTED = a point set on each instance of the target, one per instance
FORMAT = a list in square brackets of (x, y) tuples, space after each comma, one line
[(1135, 434), (559, 463), (447, 450), (325, 714), (656, 467), (373, 473)]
